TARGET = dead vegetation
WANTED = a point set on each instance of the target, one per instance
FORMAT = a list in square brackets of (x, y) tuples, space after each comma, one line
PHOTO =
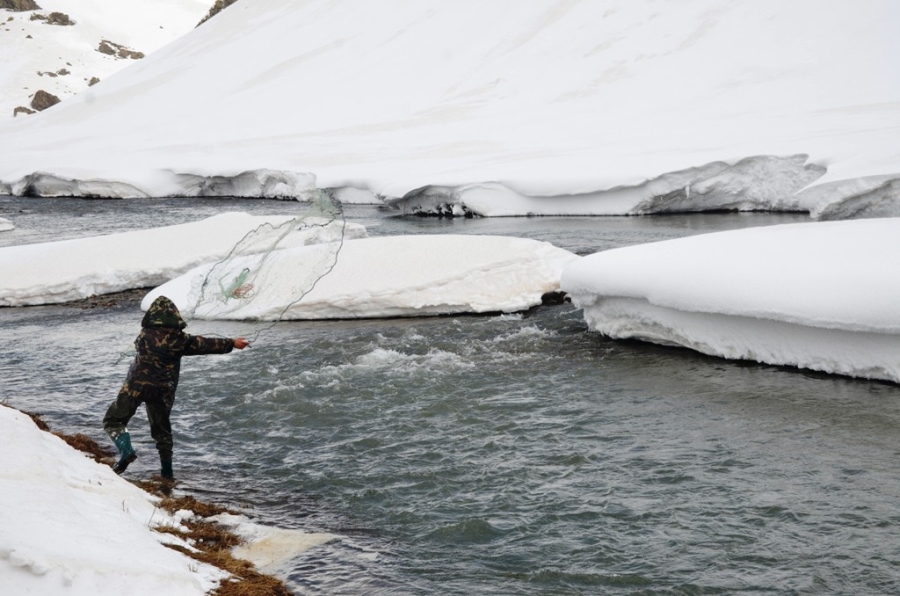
[(101, 454), (212, 541), (214, 544), (78, 441)]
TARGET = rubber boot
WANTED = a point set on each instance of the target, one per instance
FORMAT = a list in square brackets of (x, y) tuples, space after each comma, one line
[(126, 453), (166, 469)]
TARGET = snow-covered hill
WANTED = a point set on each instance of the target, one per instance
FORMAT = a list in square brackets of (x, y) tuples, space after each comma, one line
[(501, 107), (63, 59)]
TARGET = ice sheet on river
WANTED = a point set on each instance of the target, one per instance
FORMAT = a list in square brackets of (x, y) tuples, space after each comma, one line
[(417, 275), (821, 296), (54, 272)]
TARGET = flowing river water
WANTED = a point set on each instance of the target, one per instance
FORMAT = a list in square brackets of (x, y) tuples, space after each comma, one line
[(514, 454)]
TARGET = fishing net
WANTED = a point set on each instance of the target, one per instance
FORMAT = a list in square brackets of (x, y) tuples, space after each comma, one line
[(249, 284), (254, 282)]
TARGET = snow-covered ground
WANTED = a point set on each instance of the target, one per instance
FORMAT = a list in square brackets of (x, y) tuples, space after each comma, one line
[(6, 225), (393, 276), (62, 59), (821, 296), (72, 526), (66, 270), (613, 106)]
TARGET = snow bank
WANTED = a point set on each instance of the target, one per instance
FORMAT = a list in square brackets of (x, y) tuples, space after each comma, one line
[(62, 60), (622, 106), (6, 225), (55, 272), (382, 277), (817, 295), (71, 526), (762, 183), (263, 183)]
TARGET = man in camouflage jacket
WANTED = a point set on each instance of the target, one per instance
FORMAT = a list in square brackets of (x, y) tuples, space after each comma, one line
[(153, 379)]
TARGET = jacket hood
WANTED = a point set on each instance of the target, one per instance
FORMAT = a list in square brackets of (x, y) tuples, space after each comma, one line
[(163, 313)]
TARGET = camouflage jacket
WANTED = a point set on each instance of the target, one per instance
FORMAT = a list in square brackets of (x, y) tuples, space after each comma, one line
[(162, 343)]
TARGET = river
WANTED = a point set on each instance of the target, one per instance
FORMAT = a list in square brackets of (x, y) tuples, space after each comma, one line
[(514, 454)]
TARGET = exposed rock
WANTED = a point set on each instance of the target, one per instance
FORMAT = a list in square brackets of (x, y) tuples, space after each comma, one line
[(59, 73), (216, 8), (54, 18), (93, 81), (106, 48), (43, 100), (59, 18), (118, 50), (22, 110), (132, 54), (19, 5)]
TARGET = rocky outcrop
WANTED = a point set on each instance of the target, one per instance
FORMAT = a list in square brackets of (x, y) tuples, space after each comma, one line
[(43, 100), (59, 73), (216, 8), (19, 5), (54, 18), (22, 110), (118, 50), (59, 18)]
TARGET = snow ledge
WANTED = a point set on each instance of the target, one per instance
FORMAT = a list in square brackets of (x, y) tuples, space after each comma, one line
[(863, 354)]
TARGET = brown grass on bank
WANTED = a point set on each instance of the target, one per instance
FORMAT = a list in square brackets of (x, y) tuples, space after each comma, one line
[(38, 421), (101, 454), (214, 543), (77, 441)]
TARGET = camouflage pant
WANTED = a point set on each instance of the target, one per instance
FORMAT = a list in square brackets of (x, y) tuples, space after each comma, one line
[(158, 402)]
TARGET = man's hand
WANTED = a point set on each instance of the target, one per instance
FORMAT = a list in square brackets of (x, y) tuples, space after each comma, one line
[(240, 343)]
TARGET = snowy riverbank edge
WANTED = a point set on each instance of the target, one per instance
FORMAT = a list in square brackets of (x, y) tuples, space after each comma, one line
[(72, 526), (812, 295), (781, 184)]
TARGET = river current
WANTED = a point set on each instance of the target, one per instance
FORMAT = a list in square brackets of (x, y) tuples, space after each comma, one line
[(513, 454)]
